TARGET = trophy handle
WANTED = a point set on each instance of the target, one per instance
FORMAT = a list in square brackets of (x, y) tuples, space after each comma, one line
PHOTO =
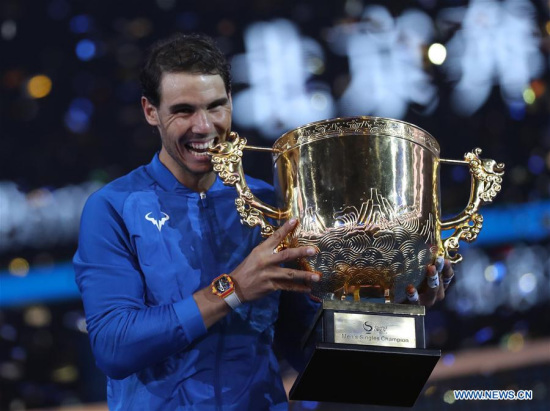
[(227, 162), (486, 183)]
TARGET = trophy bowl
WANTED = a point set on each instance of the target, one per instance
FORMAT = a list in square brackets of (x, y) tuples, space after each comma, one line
[(366, 191)]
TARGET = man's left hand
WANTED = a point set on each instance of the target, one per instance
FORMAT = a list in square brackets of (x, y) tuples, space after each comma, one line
[(438, 278)]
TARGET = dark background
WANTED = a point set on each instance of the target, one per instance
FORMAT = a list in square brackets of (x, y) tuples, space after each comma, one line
[(89, 130)]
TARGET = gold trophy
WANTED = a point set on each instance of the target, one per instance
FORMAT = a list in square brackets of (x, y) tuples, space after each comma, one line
[(366, 192)]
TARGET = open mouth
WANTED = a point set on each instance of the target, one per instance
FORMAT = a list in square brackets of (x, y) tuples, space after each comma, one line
[(200, 148)]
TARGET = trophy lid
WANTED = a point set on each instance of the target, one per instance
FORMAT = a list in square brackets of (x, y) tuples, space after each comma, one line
[(362, 125)]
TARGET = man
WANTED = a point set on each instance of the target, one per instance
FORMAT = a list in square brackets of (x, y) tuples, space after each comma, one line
[(180, 299)]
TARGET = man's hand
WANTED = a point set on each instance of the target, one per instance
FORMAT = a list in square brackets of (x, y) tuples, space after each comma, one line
[(261, 272), (438, 278)]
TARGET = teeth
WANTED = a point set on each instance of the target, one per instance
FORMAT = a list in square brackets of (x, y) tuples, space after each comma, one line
[(201, 145)]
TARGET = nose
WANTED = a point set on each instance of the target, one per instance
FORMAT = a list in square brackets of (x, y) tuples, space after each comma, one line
[(202, 123)]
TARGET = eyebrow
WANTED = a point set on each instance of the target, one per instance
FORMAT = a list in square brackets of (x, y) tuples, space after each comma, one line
[(185, 106)]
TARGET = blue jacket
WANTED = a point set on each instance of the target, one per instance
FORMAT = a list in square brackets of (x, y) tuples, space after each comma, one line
[(147, 243)]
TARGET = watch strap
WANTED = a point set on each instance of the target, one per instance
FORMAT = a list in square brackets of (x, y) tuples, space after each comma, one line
[(232, 300)]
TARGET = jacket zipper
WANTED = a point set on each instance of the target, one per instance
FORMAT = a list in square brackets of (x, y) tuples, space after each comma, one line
[(217, 362), (204, 202)]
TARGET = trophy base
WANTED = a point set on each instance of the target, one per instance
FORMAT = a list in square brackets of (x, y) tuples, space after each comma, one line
[(348, 373), (377, 367)]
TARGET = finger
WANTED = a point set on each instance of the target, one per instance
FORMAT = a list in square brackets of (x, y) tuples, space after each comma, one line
[(447, 274), (291, 254), (439, 265), (412, 295), (432, 277), (429, 295), (279, 235), (295, 276)]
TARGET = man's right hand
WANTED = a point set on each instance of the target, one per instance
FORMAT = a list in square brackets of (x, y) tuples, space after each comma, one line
[(261, 272)]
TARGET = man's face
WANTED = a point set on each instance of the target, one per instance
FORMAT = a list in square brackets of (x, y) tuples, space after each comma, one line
[(194, 110)]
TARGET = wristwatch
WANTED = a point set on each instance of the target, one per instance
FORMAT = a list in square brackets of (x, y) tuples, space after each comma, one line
[(224, 287)]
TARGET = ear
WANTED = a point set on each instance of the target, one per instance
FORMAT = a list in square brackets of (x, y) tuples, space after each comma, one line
[(150, 112)]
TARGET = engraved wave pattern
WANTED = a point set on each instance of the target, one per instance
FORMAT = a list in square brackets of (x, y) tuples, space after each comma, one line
[(375, 246)]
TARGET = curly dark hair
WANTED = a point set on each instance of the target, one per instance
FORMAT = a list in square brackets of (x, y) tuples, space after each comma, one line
[(190, 53)]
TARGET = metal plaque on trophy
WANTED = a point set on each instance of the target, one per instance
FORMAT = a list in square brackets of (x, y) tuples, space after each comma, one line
[(366, 191)]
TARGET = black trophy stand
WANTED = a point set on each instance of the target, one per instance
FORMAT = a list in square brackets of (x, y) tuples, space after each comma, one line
[(351, 362)]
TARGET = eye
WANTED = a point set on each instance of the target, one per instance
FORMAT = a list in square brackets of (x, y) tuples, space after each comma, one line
[(216, 105), (182, 109)]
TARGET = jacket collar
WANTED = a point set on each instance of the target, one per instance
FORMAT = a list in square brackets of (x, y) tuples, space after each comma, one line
[(168, 181)]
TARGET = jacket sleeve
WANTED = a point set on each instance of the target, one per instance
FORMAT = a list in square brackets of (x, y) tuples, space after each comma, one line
[(126, 335)]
